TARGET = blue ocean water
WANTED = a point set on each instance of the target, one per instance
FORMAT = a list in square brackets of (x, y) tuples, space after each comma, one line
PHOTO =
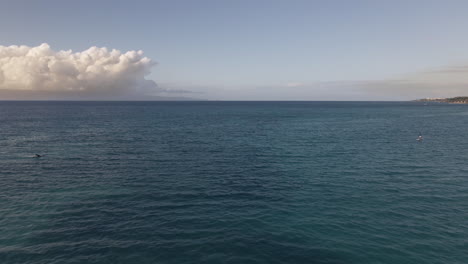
[(233, 182)]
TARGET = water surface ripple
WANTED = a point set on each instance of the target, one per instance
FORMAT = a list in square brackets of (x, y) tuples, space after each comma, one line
[(233, 182)]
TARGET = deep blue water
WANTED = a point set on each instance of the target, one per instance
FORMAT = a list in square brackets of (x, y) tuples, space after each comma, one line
[(233, 182)]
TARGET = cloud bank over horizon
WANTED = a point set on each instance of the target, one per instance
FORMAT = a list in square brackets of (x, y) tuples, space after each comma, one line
[(40, 73), (94, 73)]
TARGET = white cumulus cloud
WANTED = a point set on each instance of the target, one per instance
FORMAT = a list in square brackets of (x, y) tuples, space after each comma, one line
[(95, 71)]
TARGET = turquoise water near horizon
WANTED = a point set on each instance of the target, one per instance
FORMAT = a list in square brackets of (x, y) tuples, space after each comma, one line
[(233, 182)]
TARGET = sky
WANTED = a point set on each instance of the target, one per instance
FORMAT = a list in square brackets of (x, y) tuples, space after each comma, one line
[(233, 50)]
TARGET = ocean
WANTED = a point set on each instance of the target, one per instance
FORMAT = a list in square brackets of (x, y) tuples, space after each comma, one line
[(233, 182)]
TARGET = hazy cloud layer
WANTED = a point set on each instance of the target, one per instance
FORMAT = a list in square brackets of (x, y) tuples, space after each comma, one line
[(94, 73), (442, 82)]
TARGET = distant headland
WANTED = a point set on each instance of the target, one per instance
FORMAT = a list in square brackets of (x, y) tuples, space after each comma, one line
[(452, 100)]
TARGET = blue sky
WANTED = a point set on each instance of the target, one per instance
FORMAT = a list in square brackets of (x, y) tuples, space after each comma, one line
[(272, 50)]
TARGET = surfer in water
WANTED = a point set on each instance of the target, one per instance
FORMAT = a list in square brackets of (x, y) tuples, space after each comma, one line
[(37, 156), (420, 138)]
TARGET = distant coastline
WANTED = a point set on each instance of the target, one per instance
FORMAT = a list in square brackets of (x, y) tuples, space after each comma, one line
[(451, 100)]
